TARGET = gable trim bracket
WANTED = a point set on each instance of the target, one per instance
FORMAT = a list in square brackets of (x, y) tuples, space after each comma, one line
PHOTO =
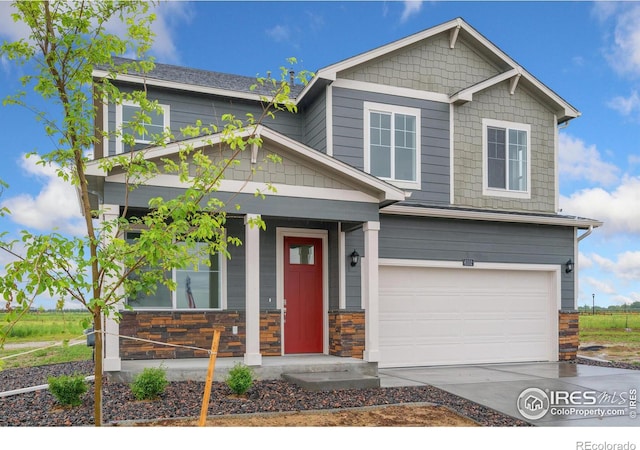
[(453, 35), (514, 84), (466, 95)]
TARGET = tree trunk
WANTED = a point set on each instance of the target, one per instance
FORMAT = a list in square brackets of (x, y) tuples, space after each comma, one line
[(97, 327)]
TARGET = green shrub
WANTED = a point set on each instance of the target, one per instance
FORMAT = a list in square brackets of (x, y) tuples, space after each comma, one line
[(240, 379), (68, 390), (150, 383)]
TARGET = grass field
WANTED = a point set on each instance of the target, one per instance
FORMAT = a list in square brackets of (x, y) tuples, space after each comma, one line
[(618, 335), (610, 328), (45, 327)]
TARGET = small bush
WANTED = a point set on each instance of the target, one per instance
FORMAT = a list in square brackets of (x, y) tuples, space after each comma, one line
[(150, 383), (68, 390), (240, 379)]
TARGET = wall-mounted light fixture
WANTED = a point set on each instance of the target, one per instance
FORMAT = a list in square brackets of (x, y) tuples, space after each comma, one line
[(568, 267), (355, 258)]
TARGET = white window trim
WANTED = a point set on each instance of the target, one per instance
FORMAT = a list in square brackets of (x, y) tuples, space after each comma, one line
[(393, 109), (496, 192), (119, 143), (222, 277), (222, 270)]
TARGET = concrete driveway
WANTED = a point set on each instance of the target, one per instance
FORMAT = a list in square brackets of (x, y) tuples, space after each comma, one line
[(548, 394)]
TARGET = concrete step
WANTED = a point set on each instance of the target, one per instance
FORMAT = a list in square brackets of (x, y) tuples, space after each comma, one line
[(329, 381)]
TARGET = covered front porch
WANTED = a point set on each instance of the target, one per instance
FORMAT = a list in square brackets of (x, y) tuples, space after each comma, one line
[(259, 287), (317, 205)]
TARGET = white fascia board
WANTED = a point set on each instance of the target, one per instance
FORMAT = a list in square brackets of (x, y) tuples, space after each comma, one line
[(251, 187), (391, 90), (569, 110), (389, 192), (488, 216), (93, 167), (175, 85), (330, 72)]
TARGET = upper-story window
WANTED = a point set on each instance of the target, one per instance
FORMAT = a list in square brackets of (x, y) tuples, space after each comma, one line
[(392, 144), (126, 114), (507, 158)]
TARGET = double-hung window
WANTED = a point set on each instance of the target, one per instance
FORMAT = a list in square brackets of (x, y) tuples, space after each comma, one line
[(506, 158), (195, 289), (127, 115), (392, 144)]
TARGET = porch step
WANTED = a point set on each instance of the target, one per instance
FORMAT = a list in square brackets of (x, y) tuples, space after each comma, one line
[(329, 381)]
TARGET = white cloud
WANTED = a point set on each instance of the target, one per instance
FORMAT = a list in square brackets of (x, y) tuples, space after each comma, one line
[(314, 21), (584, 262), (279, 33), (626, 299), (628, 266), (624, 52), (604, 263), (410, 8), (10, 30), (626, 106), (577, 160), (169, 17), (625, 267), (54, 207), (618, 209), (601, 286), (633, 160)]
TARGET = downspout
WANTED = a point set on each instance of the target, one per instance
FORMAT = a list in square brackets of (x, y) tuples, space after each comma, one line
[(587, 233), (575, 258)]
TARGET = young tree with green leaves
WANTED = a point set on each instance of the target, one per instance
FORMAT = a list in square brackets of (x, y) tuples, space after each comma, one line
[(101, 268)]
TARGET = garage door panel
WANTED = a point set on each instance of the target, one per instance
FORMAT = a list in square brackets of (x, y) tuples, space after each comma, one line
[(432, 316)]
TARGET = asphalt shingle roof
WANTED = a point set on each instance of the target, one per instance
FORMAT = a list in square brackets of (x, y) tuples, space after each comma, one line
[(210, 79)]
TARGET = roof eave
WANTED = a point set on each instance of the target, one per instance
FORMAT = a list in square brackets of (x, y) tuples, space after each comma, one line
[(577, 222)]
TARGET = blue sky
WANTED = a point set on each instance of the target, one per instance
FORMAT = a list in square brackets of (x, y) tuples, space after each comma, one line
[(587, 52)]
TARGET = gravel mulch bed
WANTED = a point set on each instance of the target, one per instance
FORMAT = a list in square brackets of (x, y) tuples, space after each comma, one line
[(184, 399)]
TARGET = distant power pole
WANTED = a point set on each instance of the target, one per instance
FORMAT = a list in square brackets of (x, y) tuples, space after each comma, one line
[(593, 296)]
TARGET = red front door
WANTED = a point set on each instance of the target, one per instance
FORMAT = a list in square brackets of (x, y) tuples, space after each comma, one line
[(302, 295)]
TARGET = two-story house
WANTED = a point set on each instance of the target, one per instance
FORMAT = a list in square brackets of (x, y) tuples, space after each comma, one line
[(416, 218)]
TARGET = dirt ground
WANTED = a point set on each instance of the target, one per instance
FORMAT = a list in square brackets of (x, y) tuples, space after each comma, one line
[(622, 352), (379, 416)]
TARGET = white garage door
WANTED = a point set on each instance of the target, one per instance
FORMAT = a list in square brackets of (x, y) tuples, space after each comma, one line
[(440, 316)]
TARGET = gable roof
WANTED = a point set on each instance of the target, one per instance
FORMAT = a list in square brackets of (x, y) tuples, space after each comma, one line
[(384, 192), (457, 28), (238, 86)]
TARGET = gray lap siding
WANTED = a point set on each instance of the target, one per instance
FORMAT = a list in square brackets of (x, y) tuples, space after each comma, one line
[(185, 108), (348, 138), (493, 242)]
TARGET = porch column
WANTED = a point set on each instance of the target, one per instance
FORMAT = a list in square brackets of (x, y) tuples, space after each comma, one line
[(370, 291), (111, 361), (252, 357)]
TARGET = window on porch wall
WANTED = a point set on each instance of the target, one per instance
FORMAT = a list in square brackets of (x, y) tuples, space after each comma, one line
[(196, 289)]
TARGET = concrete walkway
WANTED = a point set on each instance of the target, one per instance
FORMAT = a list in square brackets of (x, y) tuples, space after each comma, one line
[(577, 395), (560, 394)]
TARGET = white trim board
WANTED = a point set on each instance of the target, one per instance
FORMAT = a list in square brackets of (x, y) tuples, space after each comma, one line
[(489, 216)]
